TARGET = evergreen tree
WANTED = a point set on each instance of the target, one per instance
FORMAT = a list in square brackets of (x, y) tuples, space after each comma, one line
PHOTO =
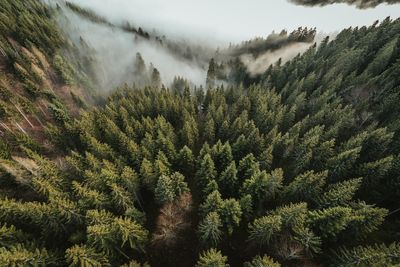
[(206, 171), (209, 231), (84, 256), (140, 66), (212, 203), (231, 214), (185, 161), (264, 261), (228, 180), (376, 255), (263, 187), (155, 78), (164, 191), (331, 221), (248, 166), (212, 258), (306, 186), (339, 194), (211, 74), (264, 229)]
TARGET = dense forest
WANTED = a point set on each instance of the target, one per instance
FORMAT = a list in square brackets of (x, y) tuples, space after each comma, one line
[(297, 165)]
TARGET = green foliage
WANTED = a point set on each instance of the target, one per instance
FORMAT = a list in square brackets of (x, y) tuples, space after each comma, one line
[(170, 188), (122, 232), (331, 221), (65, 70), (81, 256), (164, 190), (264, 261), (263, 187), (228, 180), (29, 22), (206, 171), (376, 255), (280, 156), (307, 186), (263, 229), (20, 256), (4, 151), (212, 258), (209, 231), (231, 213)]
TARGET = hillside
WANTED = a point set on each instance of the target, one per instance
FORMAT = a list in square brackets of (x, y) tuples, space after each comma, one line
[(287, 154)]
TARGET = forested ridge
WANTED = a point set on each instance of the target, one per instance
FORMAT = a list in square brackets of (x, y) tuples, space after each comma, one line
[(296, 166), (359, 3)]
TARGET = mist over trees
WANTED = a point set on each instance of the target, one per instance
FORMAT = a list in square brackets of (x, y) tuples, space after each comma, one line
[(359, 3), (283, 159)]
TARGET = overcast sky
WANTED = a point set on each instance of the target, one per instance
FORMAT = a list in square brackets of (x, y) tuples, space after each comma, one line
[(234, 20)]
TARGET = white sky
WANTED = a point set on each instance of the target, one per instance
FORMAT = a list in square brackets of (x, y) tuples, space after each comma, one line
[(234, 20)]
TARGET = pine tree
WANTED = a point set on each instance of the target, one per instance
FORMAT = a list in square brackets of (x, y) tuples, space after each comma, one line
[(308, 240), (20, 256), (209, 130), (248, 166), (140, 67), (375, 255), (306, 186), (189, 132), (264, 261), (118, 233), (341, 164), (135, 264), (263, 187), (209, 231), (368, 218), (206, 171), (231, 214), (155, 78), (228, 180), (293, 216), (212, 258), (212, 203), (264, 229), (339, 194), (222, 155), (185, 160), (147, 173), (329, 222), (210, 187), (211, 74), (178, 184), (164, 191), (83, 256)]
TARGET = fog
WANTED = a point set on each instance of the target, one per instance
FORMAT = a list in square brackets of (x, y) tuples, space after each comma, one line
[(234, 21), (357, 3), (115, 53), (261, 63), (209, 24)]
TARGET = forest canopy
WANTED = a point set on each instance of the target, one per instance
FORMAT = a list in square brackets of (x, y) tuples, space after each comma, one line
[(295, 165)]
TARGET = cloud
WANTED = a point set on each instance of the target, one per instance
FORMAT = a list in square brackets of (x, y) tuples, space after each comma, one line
[(359, 3), (115, 51), (258, 65)]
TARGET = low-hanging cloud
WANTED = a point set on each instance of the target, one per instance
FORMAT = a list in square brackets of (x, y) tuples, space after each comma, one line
[(359, 3), (258, 65), (115, 52), (116, 46)]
